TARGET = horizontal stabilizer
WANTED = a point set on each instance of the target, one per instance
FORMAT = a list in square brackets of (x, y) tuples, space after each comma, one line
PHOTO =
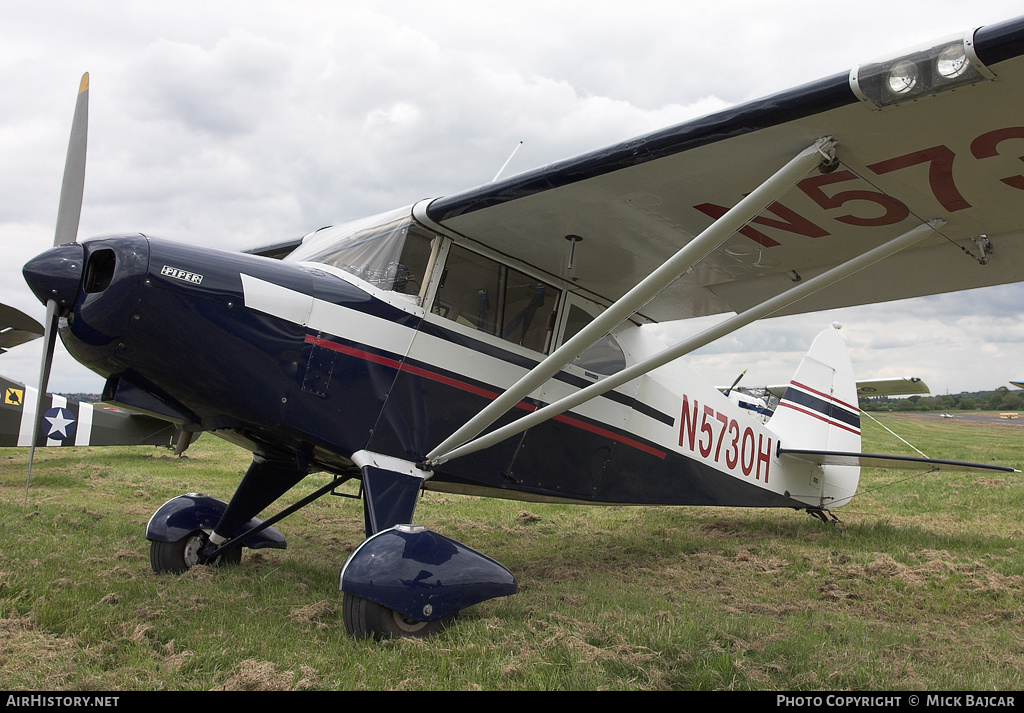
[(874, 460)]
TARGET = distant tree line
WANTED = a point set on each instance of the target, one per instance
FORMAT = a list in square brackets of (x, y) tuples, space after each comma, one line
[(1002, 399), (84, 398)]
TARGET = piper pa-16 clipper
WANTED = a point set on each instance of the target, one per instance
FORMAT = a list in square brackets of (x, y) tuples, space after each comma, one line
[(496, 342)]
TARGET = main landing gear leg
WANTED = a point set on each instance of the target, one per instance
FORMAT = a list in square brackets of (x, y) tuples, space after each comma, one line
[(187, 527), (405, 580)]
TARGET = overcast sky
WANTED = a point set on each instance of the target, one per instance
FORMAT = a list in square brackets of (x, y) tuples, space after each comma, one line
[(236, 124)]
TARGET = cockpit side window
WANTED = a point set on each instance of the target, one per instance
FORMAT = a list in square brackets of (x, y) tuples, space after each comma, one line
[(483, 294), (389, 251), (412, 264)]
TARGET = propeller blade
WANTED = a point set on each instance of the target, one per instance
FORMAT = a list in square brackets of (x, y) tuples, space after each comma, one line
[(70, 208), (49, 341), (729, 390), (69, 212)]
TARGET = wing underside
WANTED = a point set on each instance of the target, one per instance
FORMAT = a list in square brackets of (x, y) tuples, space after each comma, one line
[(954, 155)]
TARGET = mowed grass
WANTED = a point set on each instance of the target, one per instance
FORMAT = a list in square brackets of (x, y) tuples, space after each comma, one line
[(918, 588)]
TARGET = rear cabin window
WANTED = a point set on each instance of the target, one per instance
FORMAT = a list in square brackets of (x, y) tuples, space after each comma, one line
[(485, 295), (605, 356)]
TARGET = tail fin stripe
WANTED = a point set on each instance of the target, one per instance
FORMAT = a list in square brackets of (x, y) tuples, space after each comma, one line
[(854, 409), (828, 409), (821, 417)]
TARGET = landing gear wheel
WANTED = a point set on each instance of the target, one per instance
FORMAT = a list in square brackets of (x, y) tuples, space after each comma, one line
[(186, 553), (365, 619)]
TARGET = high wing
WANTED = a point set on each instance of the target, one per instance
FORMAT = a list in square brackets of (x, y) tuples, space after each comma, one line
[(898, 386), (951, 151)]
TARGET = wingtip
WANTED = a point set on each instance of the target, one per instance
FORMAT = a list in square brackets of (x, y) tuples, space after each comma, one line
[(84, 86)]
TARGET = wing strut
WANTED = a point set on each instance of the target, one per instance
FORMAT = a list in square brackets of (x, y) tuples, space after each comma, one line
[(822, 151), (707, 336)]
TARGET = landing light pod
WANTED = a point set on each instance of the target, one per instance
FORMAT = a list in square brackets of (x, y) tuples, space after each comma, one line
[(929, 69)]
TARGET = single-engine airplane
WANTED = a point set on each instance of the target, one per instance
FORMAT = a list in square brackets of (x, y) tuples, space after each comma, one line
[(495, 341)]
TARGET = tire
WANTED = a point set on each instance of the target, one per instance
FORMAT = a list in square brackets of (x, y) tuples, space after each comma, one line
[(365, 619), (186, 553)]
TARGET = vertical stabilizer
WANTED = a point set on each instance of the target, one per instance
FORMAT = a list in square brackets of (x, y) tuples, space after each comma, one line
[(819, 411)]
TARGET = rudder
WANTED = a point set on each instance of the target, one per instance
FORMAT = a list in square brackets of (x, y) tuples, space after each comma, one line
[(819, 411)]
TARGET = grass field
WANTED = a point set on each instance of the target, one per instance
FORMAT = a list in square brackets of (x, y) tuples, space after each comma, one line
[(921, 586)]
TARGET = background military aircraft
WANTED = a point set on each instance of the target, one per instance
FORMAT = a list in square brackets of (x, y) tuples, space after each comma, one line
[(16, 328), (68, 422)]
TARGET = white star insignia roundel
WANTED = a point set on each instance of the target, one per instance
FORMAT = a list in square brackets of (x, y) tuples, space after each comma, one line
[(61, 423)]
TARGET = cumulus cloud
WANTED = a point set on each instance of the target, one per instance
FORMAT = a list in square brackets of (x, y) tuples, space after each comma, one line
[(242, 123)]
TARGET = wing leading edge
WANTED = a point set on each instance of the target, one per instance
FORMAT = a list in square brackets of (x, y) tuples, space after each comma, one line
[(952, 155)]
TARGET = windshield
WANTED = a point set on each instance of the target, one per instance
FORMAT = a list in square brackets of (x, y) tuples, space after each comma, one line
[(389, 250)]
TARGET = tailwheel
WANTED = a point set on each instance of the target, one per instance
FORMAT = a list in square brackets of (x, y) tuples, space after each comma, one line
[(365, 619), (188, 552)]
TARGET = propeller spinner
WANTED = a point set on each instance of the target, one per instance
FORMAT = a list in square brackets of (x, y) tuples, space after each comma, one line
[(55, 275)]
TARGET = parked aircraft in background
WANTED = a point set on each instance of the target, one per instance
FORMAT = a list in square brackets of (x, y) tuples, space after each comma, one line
[(493, 342), (68, 422), (16, 328)]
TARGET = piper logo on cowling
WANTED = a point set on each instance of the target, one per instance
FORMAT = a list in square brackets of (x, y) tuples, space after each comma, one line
[(183, 275)]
